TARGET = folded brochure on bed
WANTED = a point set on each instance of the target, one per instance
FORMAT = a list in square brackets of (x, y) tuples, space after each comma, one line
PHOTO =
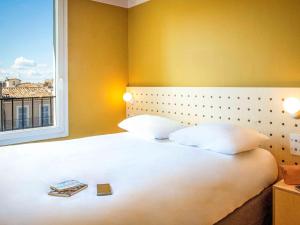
[(67, 188), (65, 185)]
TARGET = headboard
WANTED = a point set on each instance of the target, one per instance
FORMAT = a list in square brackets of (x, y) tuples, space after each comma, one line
[(259, 108)]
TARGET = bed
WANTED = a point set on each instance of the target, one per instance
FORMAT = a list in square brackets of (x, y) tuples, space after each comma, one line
[(153, 182)]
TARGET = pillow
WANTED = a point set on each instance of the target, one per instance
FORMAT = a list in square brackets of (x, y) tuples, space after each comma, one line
[(149, 126), (218, 137)]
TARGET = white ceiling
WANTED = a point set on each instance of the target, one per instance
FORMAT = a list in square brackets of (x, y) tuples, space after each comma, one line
[(123, 3)]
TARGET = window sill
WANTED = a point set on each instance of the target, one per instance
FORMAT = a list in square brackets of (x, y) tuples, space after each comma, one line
[(34, 134)]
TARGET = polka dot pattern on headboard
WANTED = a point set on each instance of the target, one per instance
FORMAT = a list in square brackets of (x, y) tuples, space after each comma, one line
[(258, 108)]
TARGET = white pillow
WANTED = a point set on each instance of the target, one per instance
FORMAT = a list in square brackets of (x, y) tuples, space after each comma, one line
[(149, 126), (223, 138)]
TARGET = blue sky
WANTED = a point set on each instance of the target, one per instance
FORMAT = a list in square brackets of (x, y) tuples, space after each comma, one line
[(26, 39)]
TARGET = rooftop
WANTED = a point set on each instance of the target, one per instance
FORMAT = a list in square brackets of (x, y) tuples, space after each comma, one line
[(13, 78), (29, 85), (26, 92)]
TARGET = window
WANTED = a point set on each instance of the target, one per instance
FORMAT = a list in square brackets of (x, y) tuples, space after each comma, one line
[(44, 115), (33, 70), (22, 117)]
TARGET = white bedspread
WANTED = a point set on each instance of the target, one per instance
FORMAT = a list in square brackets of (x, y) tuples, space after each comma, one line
[(154, 183)]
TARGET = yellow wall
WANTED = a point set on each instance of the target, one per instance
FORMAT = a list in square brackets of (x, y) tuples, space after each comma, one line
[(215, 43), (174, 43), (97, 67)]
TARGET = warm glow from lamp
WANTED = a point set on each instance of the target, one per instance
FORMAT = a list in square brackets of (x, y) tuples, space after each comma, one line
[(127, 97), (292, 106)]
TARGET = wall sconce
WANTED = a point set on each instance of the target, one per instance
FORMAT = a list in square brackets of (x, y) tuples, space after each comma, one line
[(292, 106), (127, 97)]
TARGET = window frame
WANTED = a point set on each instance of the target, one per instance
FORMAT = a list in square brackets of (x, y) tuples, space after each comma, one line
[(61, 127)]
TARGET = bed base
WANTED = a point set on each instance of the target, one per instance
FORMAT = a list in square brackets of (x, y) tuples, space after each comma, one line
[(256, 211)]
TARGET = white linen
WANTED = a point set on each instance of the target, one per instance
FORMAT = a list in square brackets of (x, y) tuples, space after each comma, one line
[(154, 183), (219, 137), (150, 126)]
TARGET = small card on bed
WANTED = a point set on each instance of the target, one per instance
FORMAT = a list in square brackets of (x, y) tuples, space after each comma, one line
[(67, 188), (104, 189)]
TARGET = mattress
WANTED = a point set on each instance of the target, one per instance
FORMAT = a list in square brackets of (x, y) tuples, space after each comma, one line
[(153, 182)]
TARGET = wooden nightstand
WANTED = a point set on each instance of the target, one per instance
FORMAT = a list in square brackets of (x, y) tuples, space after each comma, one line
[(286, 204)]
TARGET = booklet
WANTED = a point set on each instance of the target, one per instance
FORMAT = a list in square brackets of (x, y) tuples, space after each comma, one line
[(69, 192), (66, 185)]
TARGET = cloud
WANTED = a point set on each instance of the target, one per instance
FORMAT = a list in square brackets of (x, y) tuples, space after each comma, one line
[(33, 73), (27, 70), (23, 63), (42, 65)]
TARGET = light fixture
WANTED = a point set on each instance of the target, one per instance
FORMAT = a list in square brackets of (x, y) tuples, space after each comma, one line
[(127, 97), (292, 106)]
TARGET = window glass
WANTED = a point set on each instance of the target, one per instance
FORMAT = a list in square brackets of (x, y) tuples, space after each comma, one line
[(27, 64), (33, 70)]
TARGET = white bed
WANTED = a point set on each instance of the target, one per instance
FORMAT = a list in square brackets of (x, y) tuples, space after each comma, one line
[(154, 183)]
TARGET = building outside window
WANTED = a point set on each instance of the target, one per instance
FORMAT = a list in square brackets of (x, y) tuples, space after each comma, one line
[(26, 105)]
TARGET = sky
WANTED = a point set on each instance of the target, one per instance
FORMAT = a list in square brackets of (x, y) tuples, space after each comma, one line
[(26, 39)]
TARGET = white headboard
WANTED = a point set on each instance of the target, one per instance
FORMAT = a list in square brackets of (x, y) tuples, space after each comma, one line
[(259, 108)]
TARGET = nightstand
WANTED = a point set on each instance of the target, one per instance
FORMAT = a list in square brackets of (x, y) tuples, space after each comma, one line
[(286, 204)]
